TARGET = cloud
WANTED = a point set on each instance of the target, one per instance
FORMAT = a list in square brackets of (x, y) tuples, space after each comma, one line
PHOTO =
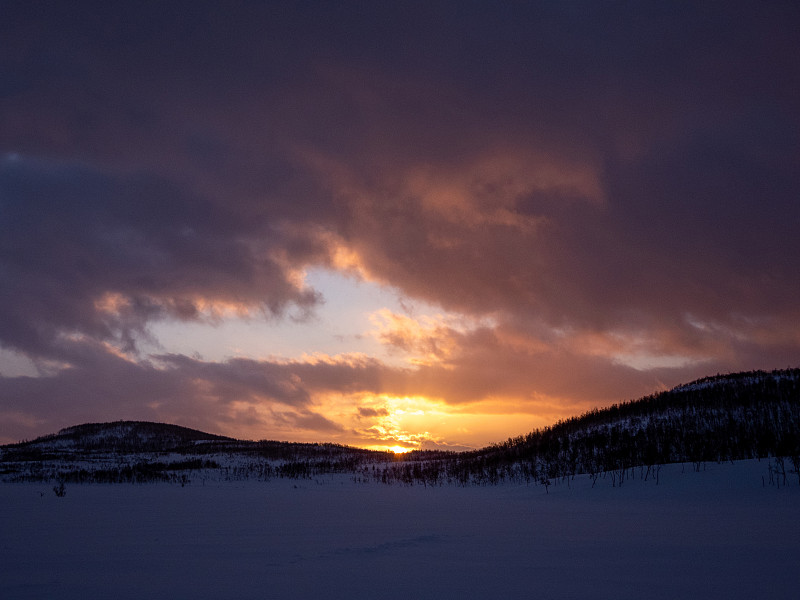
[(592, 221), (242, 397)]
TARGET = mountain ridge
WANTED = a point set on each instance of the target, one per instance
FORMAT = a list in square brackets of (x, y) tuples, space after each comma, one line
[(736, 416)]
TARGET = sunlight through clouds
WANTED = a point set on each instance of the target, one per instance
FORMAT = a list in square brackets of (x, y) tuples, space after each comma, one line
[(299, 224), (426, 340)]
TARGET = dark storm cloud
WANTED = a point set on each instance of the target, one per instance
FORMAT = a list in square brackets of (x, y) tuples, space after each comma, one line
[(74, 240), (688, 126), (603, 180)]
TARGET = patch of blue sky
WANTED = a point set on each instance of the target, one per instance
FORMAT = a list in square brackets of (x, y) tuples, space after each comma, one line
[(340, 325)]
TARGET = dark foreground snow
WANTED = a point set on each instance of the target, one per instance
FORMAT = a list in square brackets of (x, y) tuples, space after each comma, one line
[(713, 534)]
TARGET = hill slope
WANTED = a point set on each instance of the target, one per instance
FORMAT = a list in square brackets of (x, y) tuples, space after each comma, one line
[(722, 418)]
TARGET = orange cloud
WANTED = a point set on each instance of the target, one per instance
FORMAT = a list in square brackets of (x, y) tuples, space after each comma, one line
[(426, 340), (489, 190)]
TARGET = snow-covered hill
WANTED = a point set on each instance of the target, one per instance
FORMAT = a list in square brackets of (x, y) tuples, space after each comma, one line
[(122, 436), (717, 419)]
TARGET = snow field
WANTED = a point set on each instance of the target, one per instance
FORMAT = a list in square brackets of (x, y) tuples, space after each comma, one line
[(713, 534)]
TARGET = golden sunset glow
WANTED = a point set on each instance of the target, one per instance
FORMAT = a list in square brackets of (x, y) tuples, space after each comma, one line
[(418, 423), (508, 221)]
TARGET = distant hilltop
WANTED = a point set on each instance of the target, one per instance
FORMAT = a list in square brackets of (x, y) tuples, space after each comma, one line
[(128, 436)]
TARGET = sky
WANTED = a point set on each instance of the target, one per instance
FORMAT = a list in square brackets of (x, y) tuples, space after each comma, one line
[(390, 225)]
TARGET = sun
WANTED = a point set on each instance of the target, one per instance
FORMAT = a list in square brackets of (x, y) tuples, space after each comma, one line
[(399, 449)]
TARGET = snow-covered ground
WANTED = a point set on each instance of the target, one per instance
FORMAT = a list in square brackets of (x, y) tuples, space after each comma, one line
[(713, 534)]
